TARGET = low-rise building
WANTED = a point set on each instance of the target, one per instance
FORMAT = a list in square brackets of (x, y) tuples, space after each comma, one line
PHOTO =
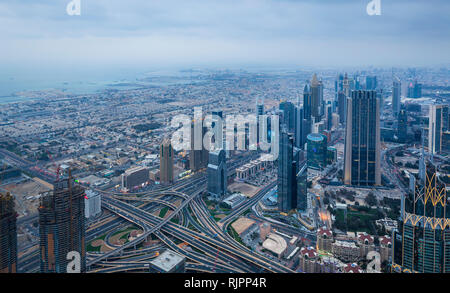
[(366, 243), (247, 229), (275, 244), (352, 268), (385, 248), (92, 204), (309, 260), (233, 200), (169, 262), (324, 239), (345, 250)]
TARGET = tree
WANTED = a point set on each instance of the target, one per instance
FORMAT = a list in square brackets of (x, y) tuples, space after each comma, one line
[(371, 200)]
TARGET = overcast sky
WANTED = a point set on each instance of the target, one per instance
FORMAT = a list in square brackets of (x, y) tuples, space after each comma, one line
[(222, 32)]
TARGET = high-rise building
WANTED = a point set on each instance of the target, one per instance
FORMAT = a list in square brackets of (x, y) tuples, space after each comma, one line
[(135, 177), (198, 158), (396, 95), (307, 103), (414, 90), (371, 83), (422, 241), (62, 226), (402, 126), (298, 126), (8, 234), (217, 174), (437, 120), (362, 140), (92, 204), (288, 117), (166, 162), (217, 124), (286, 172), (316, 98), (301, 188), (329, 116), (342, 107), (346, 85), (316, 151)]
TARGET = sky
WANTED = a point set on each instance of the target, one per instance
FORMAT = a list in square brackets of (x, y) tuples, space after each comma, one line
[(206, 33)]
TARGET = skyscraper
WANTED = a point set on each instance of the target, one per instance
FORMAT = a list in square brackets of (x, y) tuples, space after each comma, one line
[(437, 120), (8, 235), (402, 128), (217, 174), (288, 117), (307, 102), (371, 83), (316, 98), (346, 85), (414, 90), (62, 226), (422, 242), (329, 116), (286, 172), (166, 162), (396, 95), (299, 127), (301, 187), (342, 107), (198, 158), (316, 151), (362, 140)]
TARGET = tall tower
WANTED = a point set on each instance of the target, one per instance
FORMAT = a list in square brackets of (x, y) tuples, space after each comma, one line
[(396, 95), (437, 120), (8, 235), (346, 85), (342, 107), (62, 226), (166, 162), (288, 115), (316, 98), (402, 129), (371, 83), (217, 173), (307, 103), (198, 158), (286, 172), (422, 242), (362, 139)]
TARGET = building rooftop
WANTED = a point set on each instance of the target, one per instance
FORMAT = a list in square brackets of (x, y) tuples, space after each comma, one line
[(167, 260), (275, 243), (242, 224)]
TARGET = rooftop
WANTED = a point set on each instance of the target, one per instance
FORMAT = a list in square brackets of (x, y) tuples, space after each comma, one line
[(167, 260)]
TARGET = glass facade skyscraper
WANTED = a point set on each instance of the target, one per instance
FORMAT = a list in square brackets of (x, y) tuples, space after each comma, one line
[(62, 226), (286, 172), (316, 151), (396, 95), (402, 128), (422, 242), (438, 119), (8, 235), (217, 173), (362, 139)]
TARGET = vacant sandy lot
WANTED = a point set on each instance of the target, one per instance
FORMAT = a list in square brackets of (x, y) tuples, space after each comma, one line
[(244, 188)]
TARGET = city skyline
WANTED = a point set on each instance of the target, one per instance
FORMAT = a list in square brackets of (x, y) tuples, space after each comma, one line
[(231, 137)]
